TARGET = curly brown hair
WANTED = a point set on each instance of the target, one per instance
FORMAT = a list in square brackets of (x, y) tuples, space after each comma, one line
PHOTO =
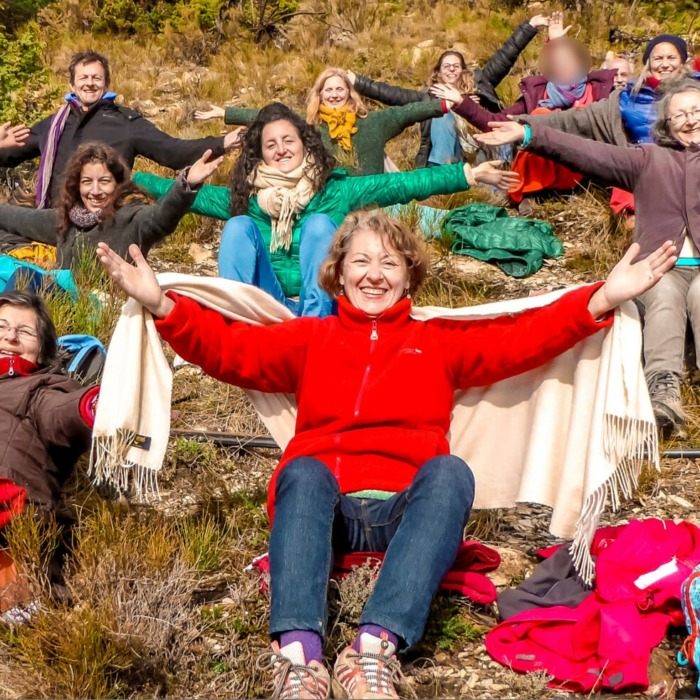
[(395, 234), (69, 194)]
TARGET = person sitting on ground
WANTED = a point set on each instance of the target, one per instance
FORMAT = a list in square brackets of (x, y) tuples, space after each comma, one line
[(287, 200), (98, 201), (566, 83), (369, 468), (90, 114), (447, 139), (622, 66), (353, 134), (662, 177), (45, 423), (627, 117)]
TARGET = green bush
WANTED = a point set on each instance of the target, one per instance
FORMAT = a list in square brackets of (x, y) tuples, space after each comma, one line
[(16, 12)]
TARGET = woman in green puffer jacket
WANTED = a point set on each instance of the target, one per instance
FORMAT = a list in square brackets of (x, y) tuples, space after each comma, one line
[(286, 200)]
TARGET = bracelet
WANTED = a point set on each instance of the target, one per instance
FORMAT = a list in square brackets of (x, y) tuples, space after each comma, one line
[(527, 137)]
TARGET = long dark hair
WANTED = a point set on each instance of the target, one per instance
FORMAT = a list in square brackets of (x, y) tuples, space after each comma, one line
[(69, 194), (46, 331), (251, 154)]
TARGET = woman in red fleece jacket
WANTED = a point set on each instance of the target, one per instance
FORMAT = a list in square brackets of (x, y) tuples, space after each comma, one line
[(369, 467)]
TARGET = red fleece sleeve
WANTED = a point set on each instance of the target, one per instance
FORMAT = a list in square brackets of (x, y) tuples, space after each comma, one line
[(266, 358), (479, 117), (483, 352)]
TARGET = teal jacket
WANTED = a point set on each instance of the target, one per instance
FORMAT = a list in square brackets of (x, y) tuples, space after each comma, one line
[(341, 195), (373, 132)]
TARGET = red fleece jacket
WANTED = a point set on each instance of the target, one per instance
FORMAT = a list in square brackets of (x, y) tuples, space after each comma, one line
[(375, 397)]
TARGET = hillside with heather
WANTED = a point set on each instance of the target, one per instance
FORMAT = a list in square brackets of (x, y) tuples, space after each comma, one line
[(158, 599)]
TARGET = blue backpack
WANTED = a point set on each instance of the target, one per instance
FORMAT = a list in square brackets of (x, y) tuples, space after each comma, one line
[(82, 357)]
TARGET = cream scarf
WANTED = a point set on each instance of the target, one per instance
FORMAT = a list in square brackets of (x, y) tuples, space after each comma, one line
[(282, 196), (567, 435)]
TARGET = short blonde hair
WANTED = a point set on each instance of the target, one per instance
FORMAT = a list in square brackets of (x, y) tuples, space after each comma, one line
[(395, 234), (313, 101)]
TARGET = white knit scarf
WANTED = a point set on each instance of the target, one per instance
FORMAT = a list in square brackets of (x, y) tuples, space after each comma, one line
[(282, 196), (567, 434)]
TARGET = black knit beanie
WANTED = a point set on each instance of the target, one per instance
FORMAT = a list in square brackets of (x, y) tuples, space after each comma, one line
[(679, 43)]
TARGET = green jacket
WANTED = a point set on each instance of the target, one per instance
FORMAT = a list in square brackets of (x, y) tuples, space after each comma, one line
[(373, 132), (341, 195)]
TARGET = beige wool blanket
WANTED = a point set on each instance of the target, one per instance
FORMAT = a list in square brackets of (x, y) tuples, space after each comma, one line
[(568, 435)]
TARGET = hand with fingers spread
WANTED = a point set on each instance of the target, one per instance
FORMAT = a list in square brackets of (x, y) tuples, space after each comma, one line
[(490, 173), (629, 279), (446, 92), (204, 168), (138, 280), (556, 26), (234, 138), (501, 134), (539, 21), (13, 136), (213, 112)]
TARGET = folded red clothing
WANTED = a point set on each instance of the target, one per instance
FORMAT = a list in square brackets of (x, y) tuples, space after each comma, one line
[(12, 500)]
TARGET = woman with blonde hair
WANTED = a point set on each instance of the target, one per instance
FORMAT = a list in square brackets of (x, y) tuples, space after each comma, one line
[(354, 135)]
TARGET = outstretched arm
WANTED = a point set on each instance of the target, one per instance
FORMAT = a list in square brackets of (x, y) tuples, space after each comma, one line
[(394, 120), (391, 95), (240, 116), (503, 60), (33, 224)]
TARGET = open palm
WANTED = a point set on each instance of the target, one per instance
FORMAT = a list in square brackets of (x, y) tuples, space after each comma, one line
[(502, 133)]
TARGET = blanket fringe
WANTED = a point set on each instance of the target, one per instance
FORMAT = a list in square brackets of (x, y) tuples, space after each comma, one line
[(628, 444), (109, 465)]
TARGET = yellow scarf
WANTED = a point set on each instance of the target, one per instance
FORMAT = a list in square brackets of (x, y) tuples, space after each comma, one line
[(341, 124)]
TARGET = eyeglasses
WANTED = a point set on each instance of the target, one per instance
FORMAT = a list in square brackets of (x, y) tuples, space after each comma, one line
[(23, 332), (680, 118), (454, 66)]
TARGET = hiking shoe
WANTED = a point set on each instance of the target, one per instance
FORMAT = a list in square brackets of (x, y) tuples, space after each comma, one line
[(665, 395), (293, 678), (373, 672)]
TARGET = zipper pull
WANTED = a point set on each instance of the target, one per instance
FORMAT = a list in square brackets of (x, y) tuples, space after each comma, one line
[(11, 373), (374, 335)]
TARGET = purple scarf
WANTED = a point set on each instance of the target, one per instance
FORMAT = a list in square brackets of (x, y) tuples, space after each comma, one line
[(83, 218), (48, 153), (563, 96)]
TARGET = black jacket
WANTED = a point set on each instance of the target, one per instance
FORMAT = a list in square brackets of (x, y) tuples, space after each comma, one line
[(486, 80), (128, 132)]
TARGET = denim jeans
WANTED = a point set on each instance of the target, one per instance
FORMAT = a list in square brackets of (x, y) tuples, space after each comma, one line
[(420, 529), (243, 256)]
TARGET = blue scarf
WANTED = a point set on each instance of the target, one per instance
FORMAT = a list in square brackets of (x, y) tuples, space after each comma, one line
[(638, 113), (563, 96)]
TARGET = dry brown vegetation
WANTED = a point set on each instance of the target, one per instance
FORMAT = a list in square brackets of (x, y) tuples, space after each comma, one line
[(157, 601)]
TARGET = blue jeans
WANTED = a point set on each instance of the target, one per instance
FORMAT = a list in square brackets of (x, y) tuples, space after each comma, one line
[(243, 256), (420, 529)]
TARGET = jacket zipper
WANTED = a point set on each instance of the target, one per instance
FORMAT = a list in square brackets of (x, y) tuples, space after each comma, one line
[(11, 373), (373, 338)]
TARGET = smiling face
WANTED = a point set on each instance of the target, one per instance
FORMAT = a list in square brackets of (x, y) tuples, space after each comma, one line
[(335, 92), (374, 275), (89, 83), (281, 146), (623, 68), (97, 186), (451, 69), (684, 117), (665, 62), (18, 333)]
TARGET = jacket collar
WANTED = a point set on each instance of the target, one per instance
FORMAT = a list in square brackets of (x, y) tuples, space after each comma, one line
[(355, 319), (16, 366)]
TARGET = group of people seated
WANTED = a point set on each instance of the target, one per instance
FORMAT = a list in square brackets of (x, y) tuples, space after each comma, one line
[(369, 469)]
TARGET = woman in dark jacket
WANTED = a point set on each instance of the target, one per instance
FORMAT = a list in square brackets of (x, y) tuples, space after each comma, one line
[(664, 178), (451, 68), (98, 202)]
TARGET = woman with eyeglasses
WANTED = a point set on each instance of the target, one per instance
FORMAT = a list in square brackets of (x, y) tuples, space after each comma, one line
[(664, 178)]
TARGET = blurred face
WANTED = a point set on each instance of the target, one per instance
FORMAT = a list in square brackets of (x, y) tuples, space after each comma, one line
[(97, 186), (623, 68), (450, 69), (18, 333), (89, 83), (564, 66), (665, 62), (374, 275), (282, 147), (334, 93), (684, 117)]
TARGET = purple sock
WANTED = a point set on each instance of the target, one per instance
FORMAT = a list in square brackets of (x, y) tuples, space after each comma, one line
[(310, 642), (375, 631)]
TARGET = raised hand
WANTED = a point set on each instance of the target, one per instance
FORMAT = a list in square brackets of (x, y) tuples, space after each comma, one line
[(556, 26), (213, 112), (447, 92), (491, 173), (351, 77), (204, 168), (539, 21), (233, 138), (138, 280), (502, 133), (13, 136), (629, 279)]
